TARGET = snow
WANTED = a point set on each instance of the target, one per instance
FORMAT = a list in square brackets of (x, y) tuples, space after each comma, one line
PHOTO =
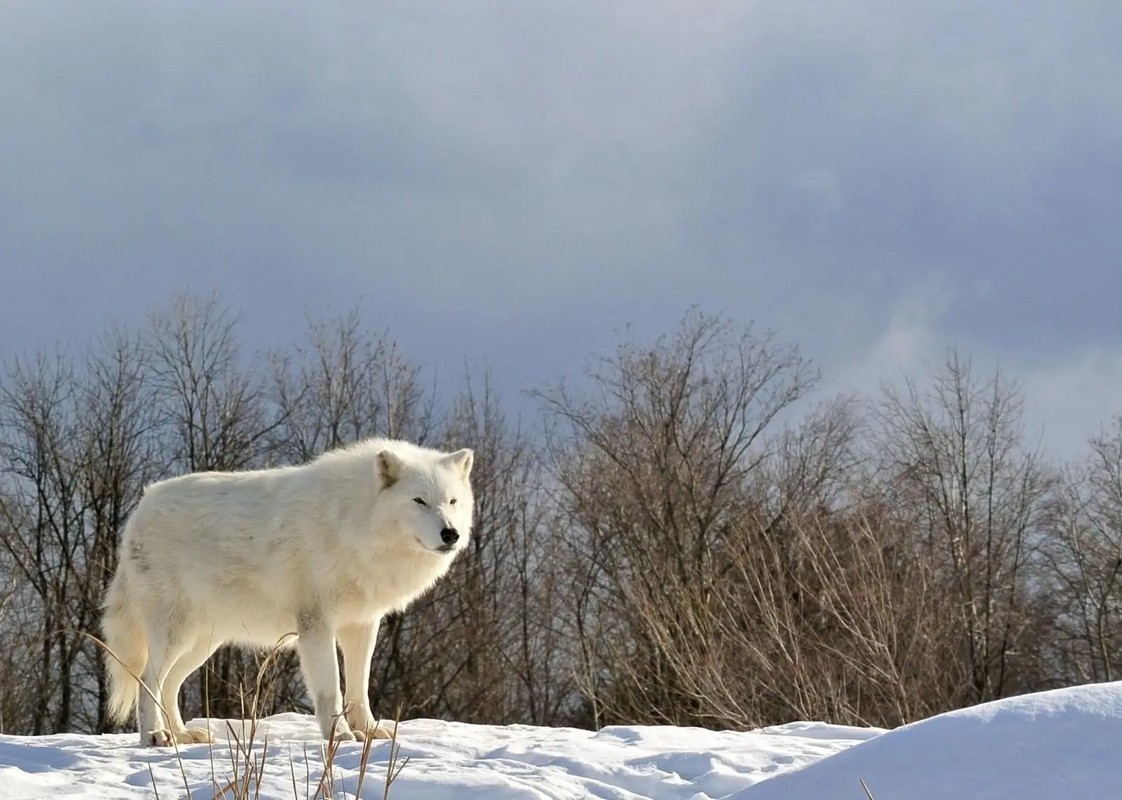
[(1059, 744), (1062, 743), (446, 760)]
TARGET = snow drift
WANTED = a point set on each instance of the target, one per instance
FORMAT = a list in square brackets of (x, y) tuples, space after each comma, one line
[(1063, 743)]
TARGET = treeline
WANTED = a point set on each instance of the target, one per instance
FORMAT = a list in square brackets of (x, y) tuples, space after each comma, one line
[(689, 535)]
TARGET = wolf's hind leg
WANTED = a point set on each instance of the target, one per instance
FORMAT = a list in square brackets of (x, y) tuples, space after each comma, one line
[(186, 664), (165, 647), (149, 718)]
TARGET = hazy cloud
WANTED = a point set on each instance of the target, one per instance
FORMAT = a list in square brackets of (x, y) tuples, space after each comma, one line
[(517, 181)]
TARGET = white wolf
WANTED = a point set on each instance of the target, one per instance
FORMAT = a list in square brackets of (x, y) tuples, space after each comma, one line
[(321, 550)]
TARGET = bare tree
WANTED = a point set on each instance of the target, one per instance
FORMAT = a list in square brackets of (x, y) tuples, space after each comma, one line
[(687, 541), (957, 466), (211, 400), (117, 426), (43, 519), (654, 467), (17, 604), (1085, 551), (344, 385)]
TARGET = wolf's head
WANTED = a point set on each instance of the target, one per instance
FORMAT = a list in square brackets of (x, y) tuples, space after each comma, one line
[(430, 495)]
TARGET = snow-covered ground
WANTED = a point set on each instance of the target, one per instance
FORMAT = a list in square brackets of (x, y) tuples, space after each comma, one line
[(1057, 744)]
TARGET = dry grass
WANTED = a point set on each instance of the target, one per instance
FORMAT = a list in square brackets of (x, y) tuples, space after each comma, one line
[(249, 761), (249, 756)]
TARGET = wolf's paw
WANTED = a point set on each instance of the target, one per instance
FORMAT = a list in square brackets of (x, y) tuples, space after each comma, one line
[(364, 725), (166, 738), (344, 735), (376, 731), (161, 738), (194, 736)]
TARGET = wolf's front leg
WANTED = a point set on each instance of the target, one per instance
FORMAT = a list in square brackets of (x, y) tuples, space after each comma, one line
[(357, 642), (316, 646)]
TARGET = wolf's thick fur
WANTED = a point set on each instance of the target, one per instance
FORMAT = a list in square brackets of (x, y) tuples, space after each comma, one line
[(322, 550)]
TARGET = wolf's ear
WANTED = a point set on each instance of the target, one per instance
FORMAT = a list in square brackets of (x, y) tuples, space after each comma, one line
[(390, 468), (462, 459)]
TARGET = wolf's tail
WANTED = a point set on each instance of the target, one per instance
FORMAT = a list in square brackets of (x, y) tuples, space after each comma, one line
[(124, 634)]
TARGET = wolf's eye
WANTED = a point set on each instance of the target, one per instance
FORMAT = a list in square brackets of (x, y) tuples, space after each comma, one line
[(418, 501), (452, 502)]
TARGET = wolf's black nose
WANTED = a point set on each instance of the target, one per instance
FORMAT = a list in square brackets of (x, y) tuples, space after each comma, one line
[(449, 536)]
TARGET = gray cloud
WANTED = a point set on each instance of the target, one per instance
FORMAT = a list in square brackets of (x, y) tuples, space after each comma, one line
[(516, 182)]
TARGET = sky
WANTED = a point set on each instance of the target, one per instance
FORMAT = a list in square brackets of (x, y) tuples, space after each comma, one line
[(514, 183)]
